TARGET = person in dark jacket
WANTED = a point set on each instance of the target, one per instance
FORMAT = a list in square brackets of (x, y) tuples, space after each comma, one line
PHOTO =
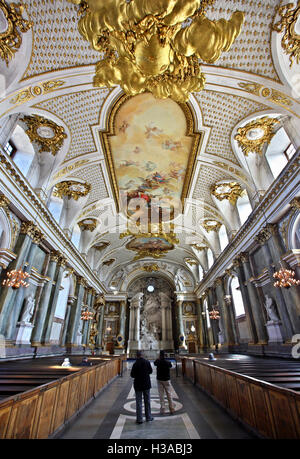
[(141, 371), (164, 383)]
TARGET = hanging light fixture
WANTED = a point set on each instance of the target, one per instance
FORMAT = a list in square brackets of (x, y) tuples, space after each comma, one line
[(286, 278), (214, 314), (86, 314), (16, 279)]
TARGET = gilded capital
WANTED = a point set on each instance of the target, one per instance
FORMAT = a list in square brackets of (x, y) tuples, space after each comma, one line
[(38, 236), (31, 230), (230, 191), (4, 201), (263, 236), (273, 228), (237, 262), (244, 257), (47, 134), (55, 256), (255, 135), (88, 224), (295, 203)]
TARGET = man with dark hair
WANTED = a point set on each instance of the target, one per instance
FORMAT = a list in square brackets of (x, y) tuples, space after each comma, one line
[(163, 382), (141, 371)]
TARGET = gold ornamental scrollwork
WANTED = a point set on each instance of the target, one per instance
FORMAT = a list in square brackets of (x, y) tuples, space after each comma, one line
[(150, 268), (10, 38), (155, 46), (47, 134), (210, 225), (72, 189), (255, 135), (227, 190), (89, 224), (290, 42)]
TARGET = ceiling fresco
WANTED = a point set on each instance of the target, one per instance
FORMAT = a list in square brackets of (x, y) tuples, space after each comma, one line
[(152, 155)]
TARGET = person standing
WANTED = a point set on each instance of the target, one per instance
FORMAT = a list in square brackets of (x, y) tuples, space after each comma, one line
[(164, 383), (141, 371)]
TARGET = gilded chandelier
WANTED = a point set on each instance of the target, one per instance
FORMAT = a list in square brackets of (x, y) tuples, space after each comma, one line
[(286, 278), (214, 314), (155, 45), (86, 314), (16, 279)]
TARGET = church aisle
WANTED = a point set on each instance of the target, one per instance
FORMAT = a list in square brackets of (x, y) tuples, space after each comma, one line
[(112, 415)]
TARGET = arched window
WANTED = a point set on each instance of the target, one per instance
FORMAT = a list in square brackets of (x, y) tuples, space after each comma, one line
[(55, 207), (210, 258), (244, 207), (237, 297), (76, 236), (200, 271), (223, 237), (279, 152), (23, 152)]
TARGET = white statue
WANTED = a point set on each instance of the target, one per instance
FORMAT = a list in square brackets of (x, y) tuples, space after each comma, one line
[(271, 309), (28, 309), (66, 363)]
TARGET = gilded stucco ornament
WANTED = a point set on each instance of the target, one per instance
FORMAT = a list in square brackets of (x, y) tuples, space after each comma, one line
[(211, 225), (89, 224), (191, 262), (101, 246), (12, 26), (71, 189), (287, 24), (109, 262), (150, 268), (155, 46), (227, 190), (255, 135), (47, 134), (198, 247)]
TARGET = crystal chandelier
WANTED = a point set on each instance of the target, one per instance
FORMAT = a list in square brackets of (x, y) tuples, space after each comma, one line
[(16, 279), (86, 314), (214, 314), (286, 278)]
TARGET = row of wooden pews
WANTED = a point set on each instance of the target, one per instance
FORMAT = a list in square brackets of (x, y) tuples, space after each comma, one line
[(39, 396), (262, 393)]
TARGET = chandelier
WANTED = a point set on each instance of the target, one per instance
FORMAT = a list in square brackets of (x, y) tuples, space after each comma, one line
[(286, 278), (16, 279), (214, 314), (86, 314)]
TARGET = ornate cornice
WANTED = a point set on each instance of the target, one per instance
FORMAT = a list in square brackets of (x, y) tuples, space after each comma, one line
[(10, 38), (227, 190), (71, 189), (290, 41), (47, 134), (89, 224), (255, 135)]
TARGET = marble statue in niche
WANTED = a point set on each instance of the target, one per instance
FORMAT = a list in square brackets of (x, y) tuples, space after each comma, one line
[(271, 310), (28, 309)]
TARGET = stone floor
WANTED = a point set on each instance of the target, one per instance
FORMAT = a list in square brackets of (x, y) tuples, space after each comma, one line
[(112, 415)]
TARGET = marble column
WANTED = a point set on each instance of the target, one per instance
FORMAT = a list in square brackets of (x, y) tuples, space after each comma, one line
[(229, 336), (75, 314), (122, 324), (256, 308), (288, 326), (8, 294), (58, 277), (87, 323), (181, 337), (214, 323), (70, 302), (100, 329), (292, 295), (200, 327), (134, 322), (233, 325), (248, 295), (42, 307), (19, 298)]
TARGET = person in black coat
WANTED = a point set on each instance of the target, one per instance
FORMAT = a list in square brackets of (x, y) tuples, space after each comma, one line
[(141, 371), (164, 383)]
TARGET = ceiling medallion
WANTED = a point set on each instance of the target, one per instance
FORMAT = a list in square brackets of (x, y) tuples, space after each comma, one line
[(252, 137), (10, 21), (88, 224), (47, 134), (211, 225), (289, 25), (154, 46), (72, 189), (227, 190)]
